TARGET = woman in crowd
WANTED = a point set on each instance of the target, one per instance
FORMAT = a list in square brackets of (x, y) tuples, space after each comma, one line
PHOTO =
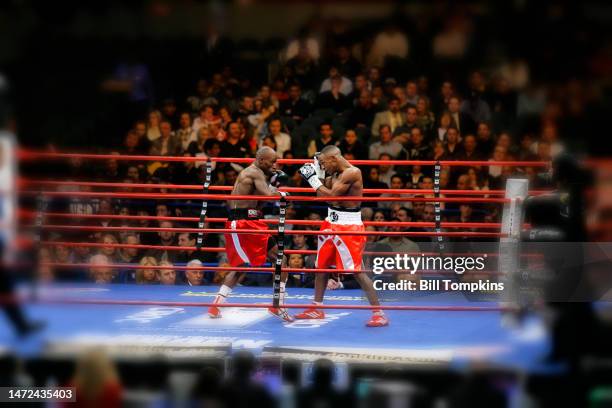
[(153, 131), (147, 276)]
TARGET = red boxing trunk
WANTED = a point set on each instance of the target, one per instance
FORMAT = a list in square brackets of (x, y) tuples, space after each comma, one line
[(246, 248), (341, 251)]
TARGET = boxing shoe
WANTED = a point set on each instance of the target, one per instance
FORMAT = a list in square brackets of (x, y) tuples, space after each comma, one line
[(311, 313), (281, 313), (378, 320), (214, 312)]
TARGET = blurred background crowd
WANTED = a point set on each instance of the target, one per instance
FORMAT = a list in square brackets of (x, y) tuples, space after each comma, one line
[(499, 81), (381, 81)]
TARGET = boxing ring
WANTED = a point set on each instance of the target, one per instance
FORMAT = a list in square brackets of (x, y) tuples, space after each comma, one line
[(427, 327)]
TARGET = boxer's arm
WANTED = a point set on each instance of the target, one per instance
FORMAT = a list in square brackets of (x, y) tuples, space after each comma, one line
[(341, 186), (262, 187)]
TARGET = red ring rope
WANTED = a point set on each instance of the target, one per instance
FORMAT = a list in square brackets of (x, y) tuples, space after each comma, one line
[(271, 232), (256, 269), (418, 224), (432, 308), (174, 196), (32, 155), (288, 189), (217, 249)]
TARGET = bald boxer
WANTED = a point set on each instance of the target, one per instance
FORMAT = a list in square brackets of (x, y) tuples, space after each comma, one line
[(340, 178), (260, 178)]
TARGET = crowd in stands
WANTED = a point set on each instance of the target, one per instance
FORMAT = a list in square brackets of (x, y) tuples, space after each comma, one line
[(362, 104)]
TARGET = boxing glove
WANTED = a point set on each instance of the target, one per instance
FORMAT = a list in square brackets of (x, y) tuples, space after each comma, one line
[(279, 178)]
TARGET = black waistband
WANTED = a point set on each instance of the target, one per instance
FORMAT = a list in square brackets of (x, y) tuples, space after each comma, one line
[(244, 214), (352, 209)]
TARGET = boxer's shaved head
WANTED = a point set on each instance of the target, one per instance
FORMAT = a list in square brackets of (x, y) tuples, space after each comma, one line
[(331, 151), (331, 159), (265, 152), (265, 159)]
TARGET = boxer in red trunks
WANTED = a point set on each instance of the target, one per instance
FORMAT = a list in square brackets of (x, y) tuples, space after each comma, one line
[(260, 178), (341, 251)]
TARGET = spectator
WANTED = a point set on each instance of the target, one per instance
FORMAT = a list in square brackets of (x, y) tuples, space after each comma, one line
[(110, 251), (295, 107), (166, 238), (194, 277), (166, 144), (185, 135), (146, 276), (470, 149), (392, 117), (418, 149), (129, 254), (345, 86), (462, 121), (100, 270), (385, 171), (453, 148), (187, 240), (153, 126), (398, 243), (385, 145), (425, 118), (326, 138), (412, 94), (402, 133), (361, 117), (446, 122), (485, 140), (206, 117), (351, 144), (234, 145), (334, 100), (166, 276), (96, 382), (283, 140), (415, 177)]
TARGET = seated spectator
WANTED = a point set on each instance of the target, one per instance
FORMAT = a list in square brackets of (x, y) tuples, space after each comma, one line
[(392, 118), (234, 145), (132, 145), (153, 126), (399, 243), (438, 150), (96, 382), (194, 277), (418, 149), (109, 251), (499, 154), (166, 144), (485, 139), (415, 177), (425, 118), (367, 214), (295, 261), (326, 138), (166, 276), (165, 238), (397, 183), (100, 270), (351, 144), (187, 240), (334, 99), (345, 87), (129, 254), (147, 276), (385, 171), (470, 149), (445, 123), (462, 121), (204, 97), (361, 117), (454, 150), (385, 145), (283, 140), (295, 107), (402, 133), (205, 118), (185, 135)]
